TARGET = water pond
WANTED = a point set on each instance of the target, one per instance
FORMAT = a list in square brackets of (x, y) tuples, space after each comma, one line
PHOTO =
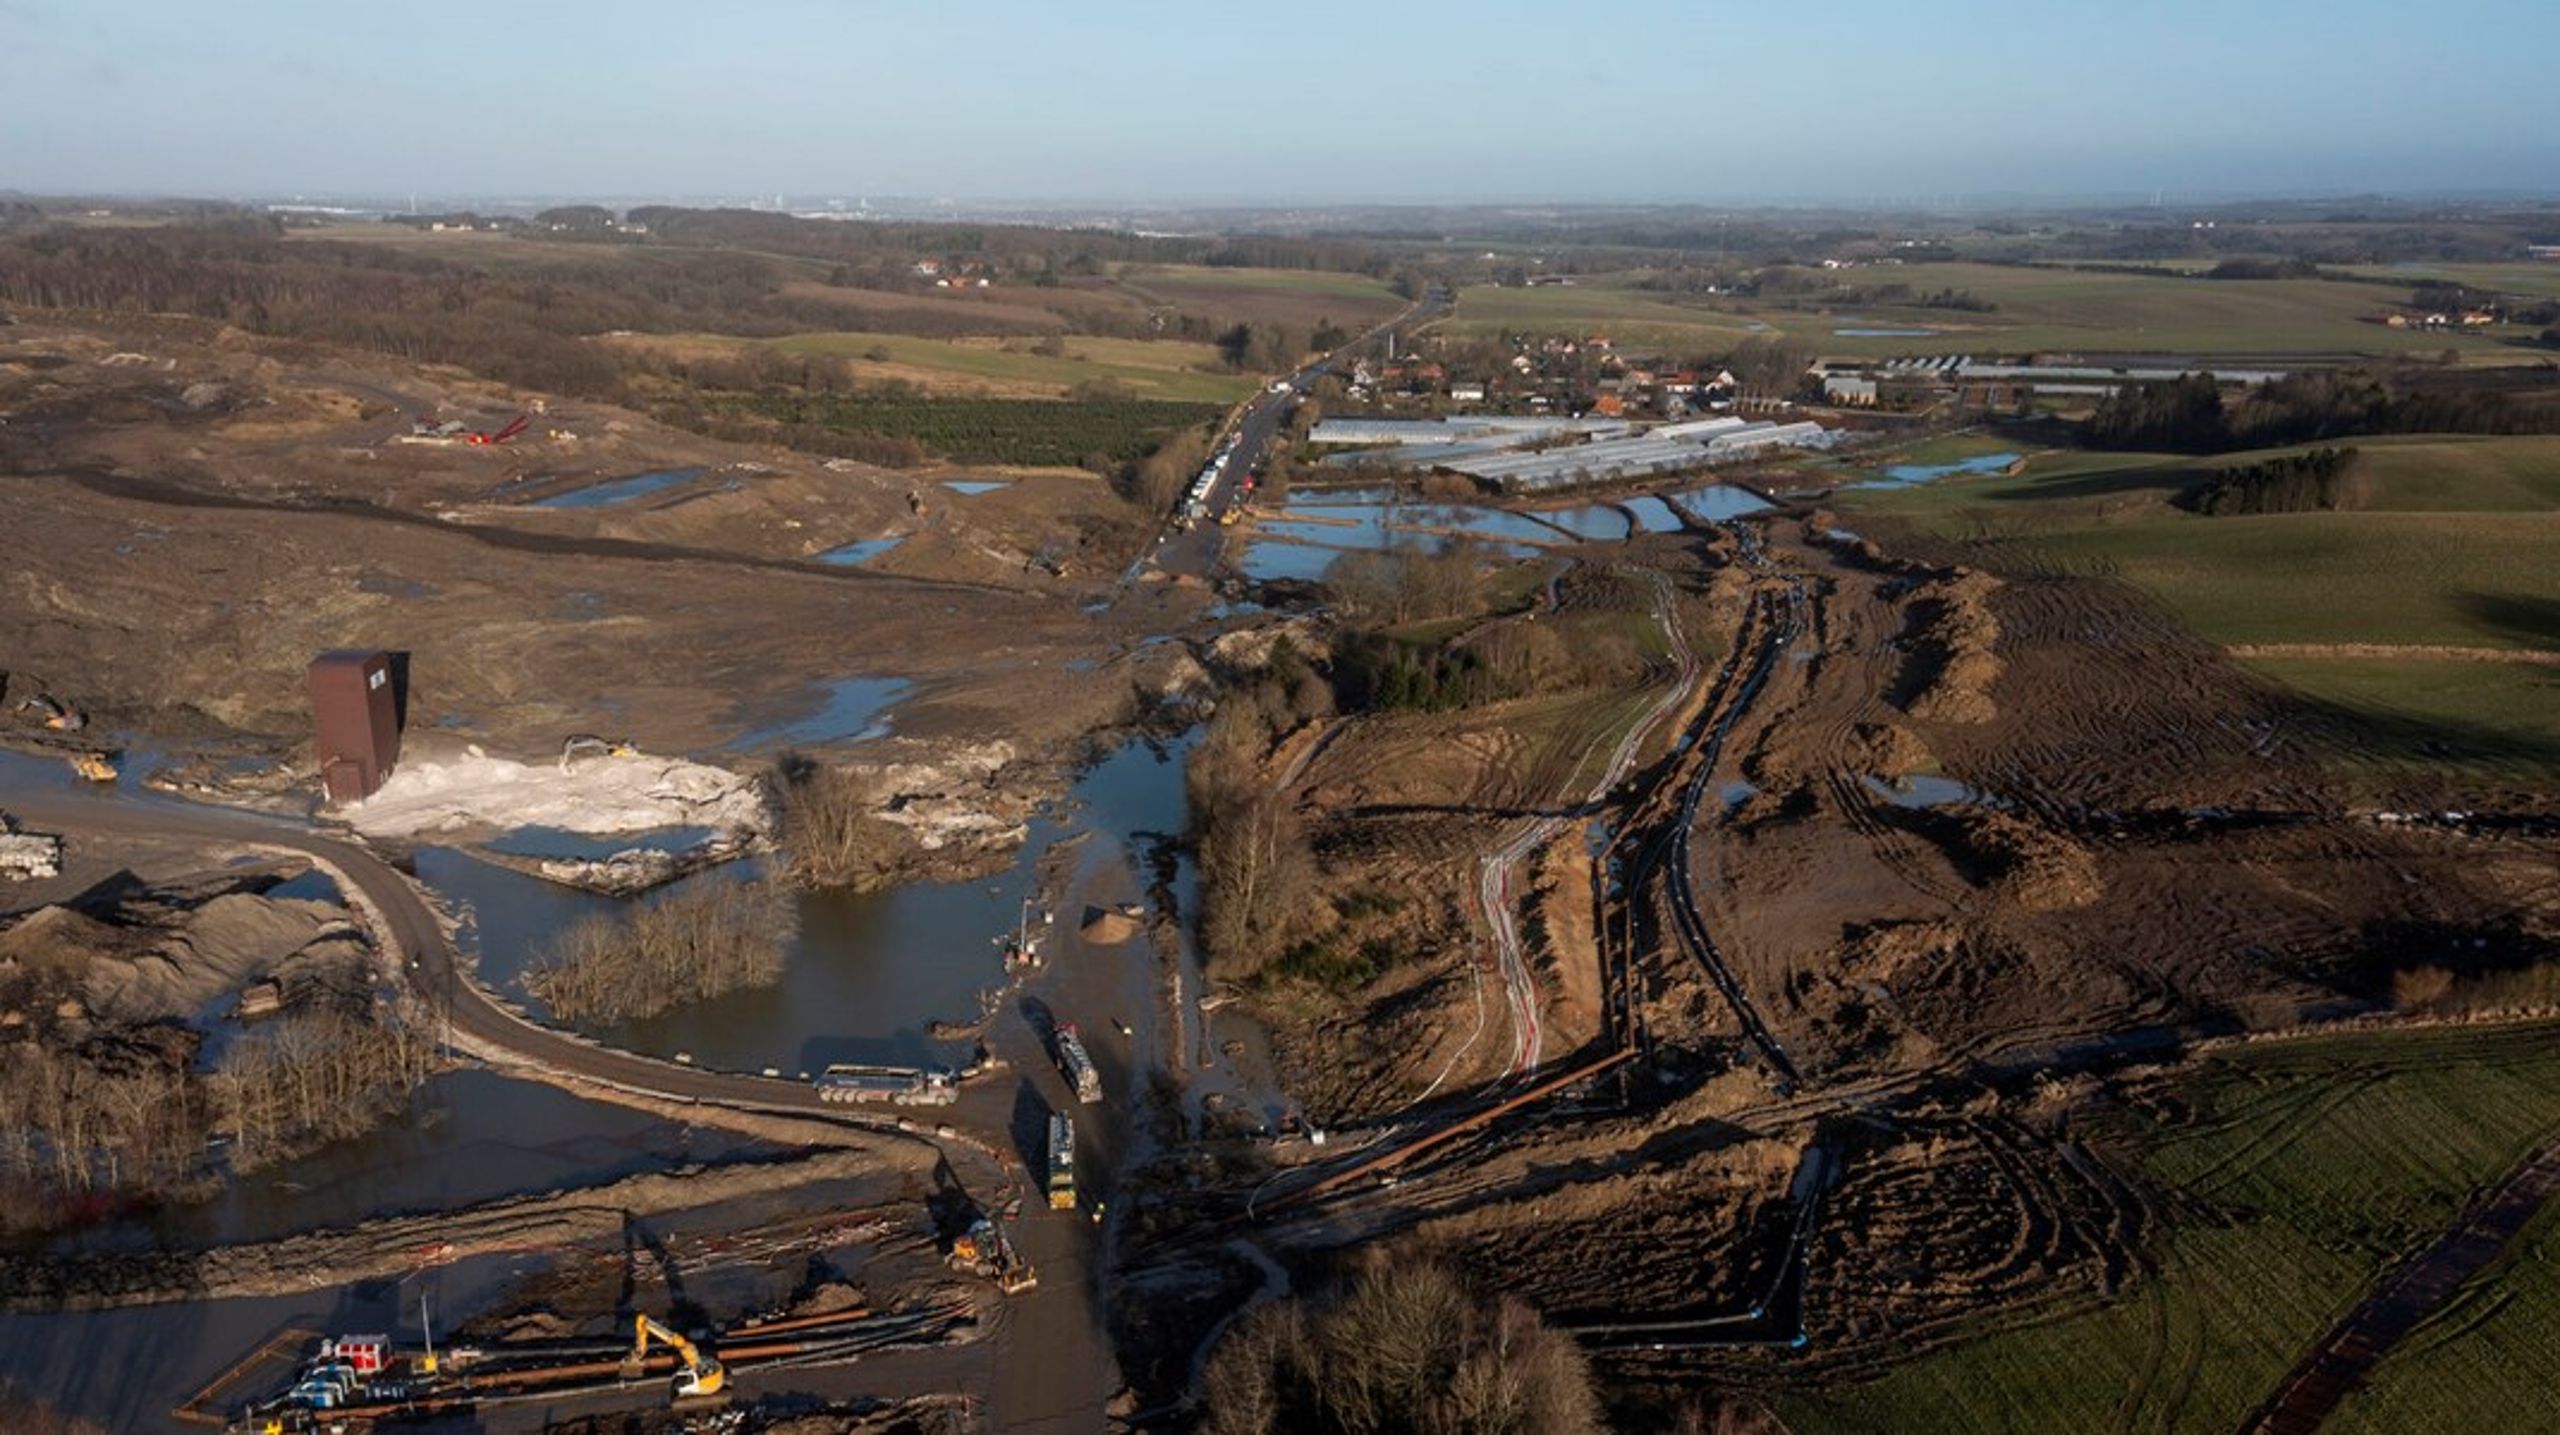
[(1911, 475), (1718, 502), (853, 555), (846, 710), (620, 490)]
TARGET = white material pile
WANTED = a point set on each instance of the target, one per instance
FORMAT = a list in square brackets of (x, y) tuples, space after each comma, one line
[(600, 795), (28, 856)]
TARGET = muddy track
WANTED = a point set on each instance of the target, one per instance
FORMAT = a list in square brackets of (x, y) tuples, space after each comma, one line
[(170, 494), (2406, 1297)]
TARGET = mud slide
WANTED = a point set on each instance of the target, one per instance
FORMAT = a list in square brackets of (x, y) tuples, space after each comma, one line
[(396, 1245), (2350, 1351)]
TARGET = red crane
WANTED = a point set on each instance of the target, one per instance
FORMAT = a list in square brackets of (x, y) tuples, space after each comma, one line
[(514, 426)]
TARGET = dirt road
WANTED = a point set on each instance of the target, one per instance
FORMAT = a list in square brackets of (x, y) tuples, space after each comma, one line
[(2406, 1297)]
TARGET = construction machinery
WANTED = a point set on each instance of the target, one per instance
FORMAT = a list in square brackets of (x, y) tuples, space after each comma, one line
[(513, 427), (700, 1374), (93, 766), (1078, 1065), (56, 714), (1062, 1162), (445, 432), (587, 744), (897, 1085), (983, 1251)]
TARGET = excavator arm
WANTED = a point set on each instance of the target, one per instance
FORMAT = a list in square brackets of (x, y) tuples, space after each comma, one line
[(700, 1375)]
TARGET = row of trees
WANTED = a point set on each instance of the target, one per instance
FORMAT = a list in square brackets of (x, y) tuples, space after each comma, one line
[(2190, 415), (315, 1076), (1258, 873), (2320, 480), (695, 942)]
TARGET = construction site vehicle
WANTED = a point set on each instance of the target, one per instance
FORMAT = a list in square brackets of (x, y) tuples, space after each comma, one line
[(1077, 1063), (898, 1085), (57, 714), (588, 744), (983, 1251), (699, 1375), (1062, 1162), (94, 767)]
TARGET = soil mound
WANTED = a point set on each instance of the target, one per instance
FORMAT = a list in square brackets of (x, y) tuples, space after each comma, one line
[(2030, 867), (1109, 926), (1957, 632), (1889, 750)]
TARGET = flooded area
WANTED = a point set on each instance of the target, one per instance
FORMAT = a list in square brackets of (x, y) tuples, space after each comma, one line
[(620, 490), (1653, 515), (467, 1137), (1601, 522), (1270, 560), (867, 975), (1922, 789), (846, 710), (1719, 502), (1909, 475), (580, 846)]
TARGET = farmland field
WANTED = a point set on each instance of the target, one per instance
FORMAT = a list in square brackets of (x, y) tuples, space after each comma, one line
[(2520, 278), (2301, 1173), (1297, 298), (2039, 309), (1627, 316), (1151, 368), (1026, 432)]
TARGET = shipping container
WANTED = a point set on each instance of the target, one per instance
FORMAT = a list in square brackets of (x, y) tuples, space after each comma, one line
[(355, 720)]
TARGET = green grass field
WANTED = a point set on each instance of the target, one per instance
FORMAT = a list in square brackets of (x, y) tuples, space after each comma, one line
[(2040, 308), (1297, 298), (2454, 547), (2518, 278), (2303, 1172), (1152, 368), (1630, 317)]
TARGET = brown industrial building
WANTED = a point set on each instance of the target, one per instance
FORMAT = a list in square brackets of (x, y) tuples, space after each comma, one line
[(355, 715)]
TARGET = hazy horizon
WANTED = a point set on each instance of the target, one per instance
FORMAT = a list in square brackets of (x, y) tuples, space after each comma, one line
[(1859, 103)]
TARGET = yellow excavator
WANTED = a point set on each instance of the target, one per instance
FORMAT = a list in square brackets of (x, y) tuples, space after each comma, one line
[(587, 744), (699, 1375), (93, 766)]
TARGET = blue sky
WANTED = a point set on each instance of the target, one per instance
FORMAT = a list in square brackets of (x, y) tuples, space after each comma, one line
[(1704, 101)]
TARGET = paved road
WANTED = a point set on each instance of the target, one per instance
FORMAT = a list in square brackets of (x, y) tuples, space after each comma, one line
[(1196, 552)]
